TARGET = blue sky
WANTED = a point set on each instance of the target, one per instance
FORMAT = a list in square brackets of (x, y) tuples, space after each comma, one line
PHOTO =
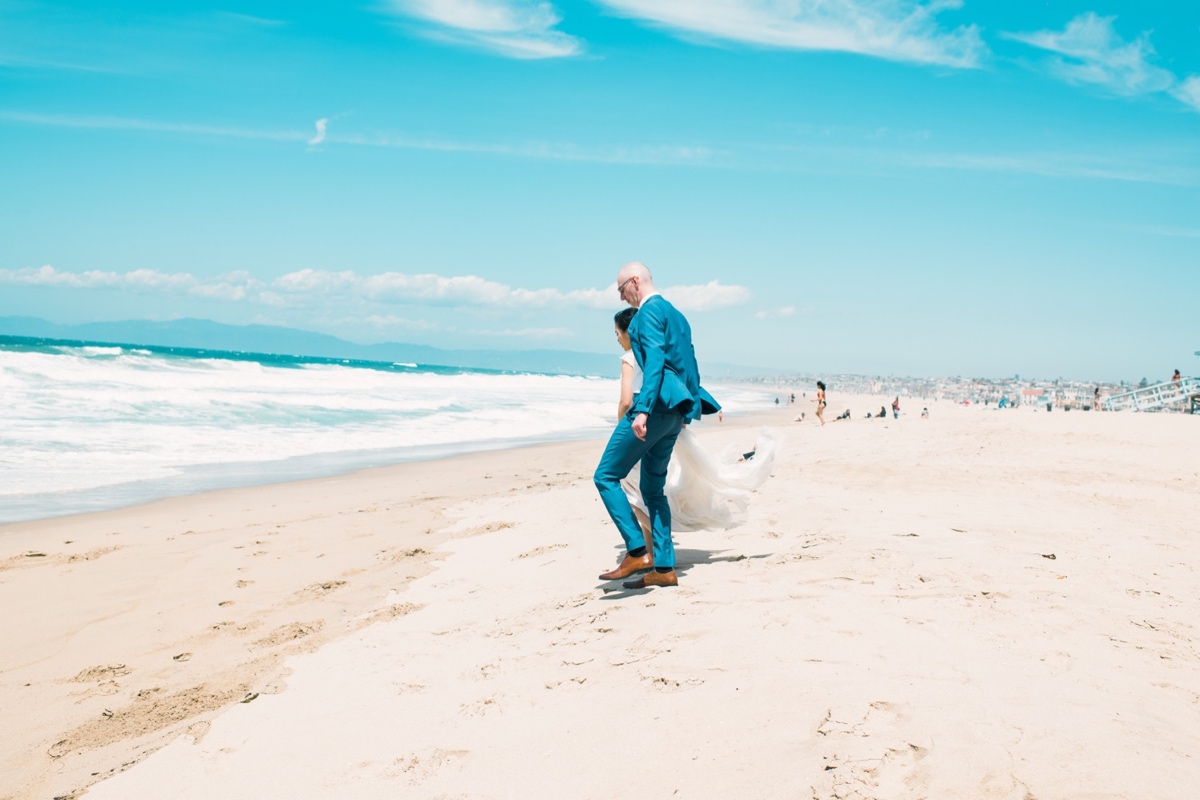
[(879, 186)]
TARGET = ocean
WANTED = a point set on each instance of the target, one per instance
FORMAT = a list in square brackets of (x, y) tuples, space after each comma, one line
[(89, 426)]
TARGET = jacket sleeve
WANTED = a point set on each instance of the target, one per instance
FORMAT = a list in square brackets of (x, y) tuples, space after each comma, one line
[(652, 343)]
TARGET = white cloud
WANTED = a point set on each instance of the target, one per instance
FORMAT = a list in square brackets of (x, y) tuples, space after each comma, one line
[(234, 286), (473, 291), (1060, 164), (152, 126), (1089, 50), (513, 28), (553, 151), (898, 30), (776, 313), (1188, 92), (309, 287), (706, 297), (320, 137)]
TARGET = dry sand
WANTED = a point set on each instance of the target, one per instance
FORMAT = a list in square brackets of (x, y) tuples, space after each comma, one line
[(981, 605)]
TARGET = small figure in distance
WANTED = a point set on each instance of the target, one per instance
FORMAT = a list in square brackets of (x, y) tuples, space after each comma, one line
[(896, 408), (1096, 399), (882, 413), (844, 415), (1176, 378), (924, 413), (750, 455), (821, 401)]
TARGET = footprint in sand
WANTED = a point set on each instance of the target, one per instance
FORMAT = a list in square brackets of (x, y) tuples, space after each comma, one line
[(420, 767), (866, 754), (539, 551), (105, 672), (290, 633), (319, 589), (665, 684)]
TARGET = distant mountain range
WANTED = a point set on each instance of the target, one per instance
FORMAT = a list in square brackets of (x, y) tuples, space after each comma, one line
[(208, 335)]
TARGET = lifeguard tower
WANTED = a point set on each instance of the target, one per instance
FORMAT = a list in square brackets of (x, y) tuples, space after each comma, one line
[(1183, 395)]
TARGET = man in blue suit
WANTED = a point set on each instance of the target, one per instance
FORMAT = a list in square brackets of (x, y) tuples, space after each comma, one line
[(670, 398)]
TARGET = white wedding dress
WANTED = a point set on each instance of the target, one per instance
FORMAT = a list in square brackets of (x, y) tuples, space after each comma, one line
[(703, 491)]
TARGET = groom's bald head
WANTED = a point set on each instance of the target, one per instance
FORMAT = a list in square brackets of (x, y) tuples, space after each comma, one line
[(634, 282)]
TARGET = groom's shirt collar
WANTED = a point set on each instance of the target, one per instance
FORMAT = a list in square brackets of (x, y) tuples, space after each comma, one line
[(647, 297)]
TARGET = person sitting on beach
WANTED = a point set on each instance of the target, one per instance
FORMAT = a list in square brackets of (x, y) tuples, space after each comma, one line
[(882, 413), (924, 413), (844, 415)]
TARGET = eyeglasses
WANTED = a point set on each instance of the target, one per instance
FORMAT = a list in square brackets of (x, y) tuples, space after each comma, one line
[(621, 288)]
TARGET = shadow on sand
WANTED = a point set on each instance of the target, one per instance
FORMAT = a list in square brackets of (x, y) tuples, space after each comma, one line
[(685, 560)]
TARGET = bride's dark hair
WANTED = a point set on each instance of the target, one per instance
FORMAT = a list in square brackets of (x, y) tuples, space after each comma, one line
[(623, 318)]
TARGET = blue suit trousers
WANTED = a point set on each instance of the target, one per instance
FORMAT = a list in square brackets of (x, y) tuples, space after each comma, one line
[(623, 451)]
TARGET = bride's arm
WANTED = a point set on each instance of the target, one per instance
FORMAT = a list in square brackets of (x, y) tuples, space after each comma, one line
[(626, 390)]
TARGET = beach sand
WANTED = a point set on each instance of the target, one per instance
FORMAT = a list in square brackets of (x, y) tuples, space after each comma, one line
[(984, 604)]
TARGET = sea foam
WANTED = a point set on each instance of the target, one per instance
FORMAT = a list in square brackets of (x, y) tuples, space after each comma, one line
[(93, 426)]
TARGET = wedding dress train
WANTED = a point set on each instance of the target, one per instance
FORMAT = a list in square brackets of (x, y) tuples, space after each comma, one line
[(706, 492)]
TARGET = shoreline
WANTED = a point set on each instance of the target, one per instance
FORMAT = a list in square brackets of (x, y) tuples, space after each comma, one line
[(202, 478)]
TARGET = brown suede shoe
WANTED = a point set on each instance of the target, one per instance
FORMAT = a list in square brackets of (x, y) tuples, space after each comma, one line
[(653, 579), (629, 565)]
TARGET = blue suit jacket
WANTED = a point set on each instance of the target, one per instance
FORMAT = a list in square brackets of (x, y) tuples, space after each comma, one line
[(661, 339)]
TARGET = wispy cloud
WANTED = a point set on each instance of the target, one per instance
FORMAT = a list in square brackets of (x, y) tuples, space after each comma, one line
[(1058, 165), (320, 137), (1161, 162), (512, 28), (897, 30), (1090, 51), (152, 126), (776, 313), (474, 291), (232, 286), (704, 297), (309, 288), (1166, 230), (248, 19), (552, 151), (1188, 92)]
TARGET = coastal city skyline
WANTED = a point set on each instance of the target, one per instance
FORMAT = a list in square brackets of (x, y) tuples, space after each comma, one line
[(870, 187)]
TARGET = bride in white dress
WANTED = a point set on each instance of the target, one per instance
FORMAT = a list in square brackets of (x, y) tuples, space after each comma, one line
[(703, 492)]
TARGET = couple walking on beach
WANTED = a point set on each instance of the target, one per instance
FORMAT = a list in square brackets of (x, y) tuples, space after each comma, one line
[(660, 340)]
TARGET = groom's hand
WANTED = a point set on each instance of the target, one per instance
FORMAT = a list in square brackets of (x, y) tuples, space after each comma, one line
[(639, 426)]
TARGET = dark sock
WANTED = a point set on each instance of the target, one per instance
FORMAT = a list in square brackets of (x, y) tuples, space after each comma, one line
[(637, 552), (664, 570)]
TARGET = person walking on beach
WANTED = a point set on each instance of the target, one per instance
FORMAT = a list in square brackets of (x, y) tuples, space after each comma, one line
[(821, 401), (896, 408), (661, 341)]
